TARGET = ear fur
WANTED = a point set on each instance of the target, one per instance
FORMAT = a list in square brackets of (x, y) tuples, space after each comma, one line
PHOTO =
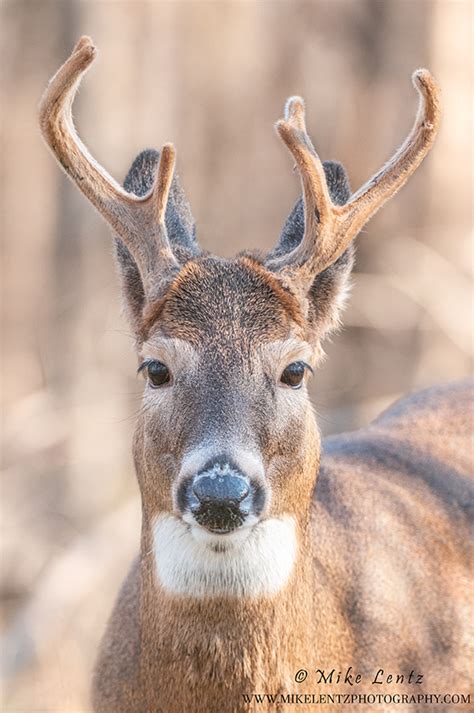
[(179, 224), (330, 288)]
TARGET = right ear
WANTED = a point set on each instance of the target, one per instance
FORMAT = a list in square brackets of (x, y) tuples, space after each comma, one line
[(179, 223)]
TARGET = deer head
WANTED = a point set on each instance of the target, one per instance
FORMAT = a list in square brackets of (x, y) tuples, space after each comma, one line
[(226, 445)]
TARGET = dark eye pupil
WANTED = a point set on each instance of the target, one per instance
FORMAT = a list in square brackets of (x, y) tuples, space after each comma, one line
[(158, 373), (293, 374)]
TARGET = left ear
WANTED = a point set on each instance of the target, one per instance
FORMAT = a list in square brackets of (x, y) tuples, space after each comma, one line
[(329, 290)]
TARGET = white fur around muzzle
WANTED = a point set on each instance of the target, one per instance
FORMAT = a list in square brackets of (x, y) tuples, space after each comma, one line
[(258, 565)]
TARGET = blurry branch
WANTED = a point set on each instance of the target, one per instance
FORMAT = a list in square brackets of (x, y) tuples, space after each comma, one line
[(425, 279), (71, 579)]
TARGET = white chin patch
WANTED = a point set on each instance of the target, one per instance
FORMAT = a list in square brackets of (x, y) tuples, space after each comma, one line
[(250, 562)]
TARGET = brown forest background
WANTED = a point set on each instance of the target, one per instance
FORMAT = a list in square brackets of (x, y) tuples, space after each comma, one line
[(212, 77)]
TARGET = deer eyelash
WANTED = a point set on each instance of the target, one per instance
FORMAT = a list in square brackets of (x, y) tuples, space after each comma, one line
[(144, 365), (307, 366)]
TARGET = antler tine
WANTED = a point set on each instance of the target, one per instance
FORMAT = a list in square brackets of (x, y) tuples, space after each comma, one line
[(384, 184), (295, 113), (317, 202), (134, 219), (58, 130), (164, 178)]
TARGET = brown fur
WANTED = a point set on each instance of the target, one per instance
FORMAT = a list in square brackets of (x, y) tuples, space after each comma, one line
[(196, 269), (377, 511)]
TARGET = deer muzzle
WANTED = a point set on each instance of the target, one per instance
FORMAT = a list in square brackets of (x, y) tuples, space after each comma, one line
[(220, 497)]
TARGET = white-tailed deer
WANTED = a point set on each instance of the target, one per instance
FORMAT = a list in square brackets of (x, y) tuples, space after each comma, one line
[(259, 557)]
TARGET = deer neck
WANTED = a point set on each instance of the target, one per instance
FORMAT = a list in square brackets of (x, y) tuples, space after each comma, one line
[(233, 635)]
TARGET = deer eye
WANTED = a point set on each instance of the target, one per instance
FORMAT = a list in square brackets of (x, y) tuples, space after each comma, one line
[(158, 373), (293, 374)]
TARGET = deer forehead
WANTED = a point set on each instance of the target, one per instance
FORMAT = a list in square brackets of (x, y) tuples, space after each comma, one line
[(232, 299)]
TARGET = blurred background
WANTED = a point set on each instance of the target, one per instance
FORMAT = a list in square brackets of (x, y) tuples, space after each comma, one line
[(212, 77)]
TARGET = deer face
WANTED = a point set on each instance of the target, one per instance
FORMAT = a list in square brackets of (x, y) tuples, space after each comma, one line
[(226, 446), (226, 413)]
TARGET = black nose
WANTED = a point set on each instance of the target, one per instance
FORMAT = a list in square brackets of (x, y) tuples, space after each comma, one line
[(220, 497), (225, 490)]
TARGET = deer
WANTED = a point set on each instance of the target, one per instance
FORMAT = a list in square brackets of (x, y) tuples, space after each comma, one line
[(271, 563)]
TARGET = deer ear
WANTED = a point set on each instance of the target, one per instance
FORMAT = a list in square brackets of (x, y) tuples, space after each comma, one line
[(179, 224), (330, 287)]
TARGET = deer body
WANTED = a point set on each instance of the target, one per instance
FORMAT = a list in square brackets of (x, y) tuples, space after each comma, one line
[(259, 557), (380, 582)]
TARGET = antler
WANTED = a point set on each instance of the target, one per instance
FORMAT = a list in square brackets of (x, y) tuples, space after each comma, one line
[(330, 228), (139, 221)]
